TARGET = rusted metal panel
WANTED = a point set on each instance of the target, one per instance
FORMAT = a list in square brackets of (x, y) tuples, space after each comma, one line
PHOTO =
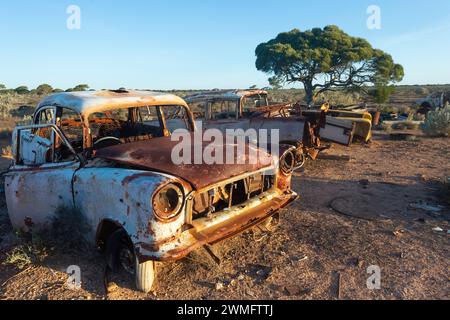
[(36, 193), (223, 225), (124, 196), (88, 102), (157, 155), (339, 131)]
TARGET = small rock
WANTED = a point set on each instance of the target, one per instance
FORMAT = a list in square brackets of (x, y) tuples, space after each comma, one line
[(292, 290), (219, 286), (437, 229), (112, 287), (399, 232)]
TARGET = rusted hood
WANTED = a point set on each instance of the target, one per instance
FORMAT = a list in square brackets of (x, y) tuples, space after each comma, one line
[(156, 155)]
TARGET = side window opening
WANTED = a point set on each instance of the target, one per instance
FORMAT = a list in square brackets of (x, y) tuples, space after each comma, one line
[(199, 109), (45, 145), (46, 116), (223, 109), (71, 125), (251, 103)]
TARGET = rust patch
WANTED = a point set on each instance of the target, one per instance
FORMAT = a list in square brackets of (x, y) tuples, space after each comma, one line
[(156, 154)]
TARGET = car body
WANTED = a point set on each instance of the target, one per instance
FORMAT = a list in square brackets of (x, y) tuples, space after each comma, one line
[(250, 109), (108, 154), (344, 126), (433, 102)]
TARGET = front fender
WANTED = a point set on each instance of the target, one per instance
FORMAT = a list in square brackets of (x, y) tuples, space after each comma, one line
[(124, 196)]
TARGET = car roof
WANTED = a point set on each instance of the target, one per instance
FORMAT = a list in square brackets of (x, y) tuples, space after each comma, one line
[(223, 94), (88, 102)]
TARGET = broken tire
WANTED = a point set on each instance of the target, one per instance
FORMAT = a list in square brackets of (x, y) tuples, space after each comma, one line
[(145, 275), (120, 256), (118, 243)]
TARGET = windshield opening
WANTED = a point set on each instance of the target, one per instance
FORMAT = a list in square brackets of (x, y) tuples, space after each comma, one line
[(136, 124)]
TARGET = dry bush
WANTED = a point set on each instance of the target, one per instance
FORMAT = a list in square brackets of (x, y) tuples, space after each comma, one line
[(26, 254), (11, 101), (437, 123), (338, 98), (66, 233)]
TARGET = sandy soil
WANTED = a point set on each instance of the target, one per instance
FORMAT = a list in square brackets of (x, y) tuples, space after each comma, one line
[(359, 207)]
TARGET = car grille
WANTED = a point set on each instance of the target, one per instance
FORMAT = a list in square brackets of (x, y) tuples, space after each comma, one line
[(230, 194)]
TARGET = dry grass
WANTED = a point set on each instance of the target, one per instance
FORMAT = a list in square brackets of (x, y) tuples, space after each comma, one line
[(26, 254), (66, 233)]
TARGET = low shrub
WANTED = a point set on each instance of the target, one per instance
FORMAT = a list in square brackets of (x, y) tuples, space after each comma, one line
[(437, 123)]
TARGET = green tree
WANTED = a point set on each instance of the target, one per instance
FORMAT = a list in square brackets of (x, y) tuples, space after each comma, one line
[(324, 60), (381, 92), (2, 86), (22, 90), (44, 89), (275, 83)]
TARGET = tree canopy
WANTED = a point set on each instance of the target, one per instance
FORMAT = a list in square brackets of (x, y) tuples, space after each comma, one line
[(22, 90), (80, 87), (325, 59), (44, 89)]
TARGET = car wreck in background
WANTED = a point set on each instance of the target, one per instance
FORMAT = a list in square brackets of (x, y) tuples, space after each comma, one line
[(250, 109), (108, 154), (434, 101), (343, 126)]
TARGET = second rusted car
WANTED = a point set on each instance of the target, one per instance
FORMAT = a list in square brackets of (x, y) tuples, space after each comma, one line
[(250, 109)]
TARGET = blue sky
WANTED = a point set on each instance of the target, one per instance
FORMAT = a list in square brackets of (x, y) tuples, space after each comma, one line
[(200, 43)]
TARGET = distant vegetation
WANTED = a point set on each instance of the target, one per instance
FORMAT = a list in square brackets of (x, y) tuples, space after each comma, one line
[(18, 103)]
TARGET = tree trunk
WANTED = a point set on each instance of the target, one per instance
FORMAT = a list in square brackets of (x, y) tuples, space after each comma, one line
[(309, 92)]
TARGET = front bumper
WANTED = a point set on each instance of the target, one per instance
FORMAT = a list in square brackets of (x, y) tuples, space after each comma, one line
[(220, 226)]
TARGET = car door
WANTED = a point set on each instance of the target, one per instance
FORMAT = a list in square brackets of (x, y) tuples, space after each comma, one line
[(38, 184)]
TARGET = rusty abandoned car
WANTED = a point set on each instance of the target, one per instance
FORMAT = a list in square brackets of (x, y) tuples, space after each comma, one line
[(108, 154), (250, 109)]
